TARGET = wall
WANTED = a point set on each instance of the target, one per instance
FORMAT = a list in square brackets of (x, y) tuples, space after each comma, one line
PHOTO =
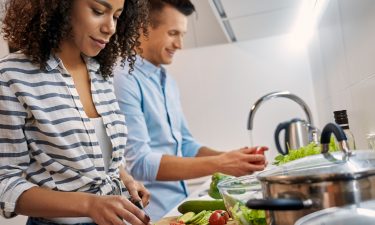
[(3, 46), (219, 84), (341, 59)]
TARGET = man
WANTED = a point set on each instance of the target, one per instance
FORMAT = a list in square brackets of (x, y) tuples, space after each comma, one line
[(160, 148)]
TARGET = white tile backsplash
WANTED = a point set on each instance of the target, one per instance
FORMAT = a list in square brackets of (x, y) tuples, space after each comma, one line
[(363, 110), (358, 28), (321, 91), (342, 56), (332, 47)]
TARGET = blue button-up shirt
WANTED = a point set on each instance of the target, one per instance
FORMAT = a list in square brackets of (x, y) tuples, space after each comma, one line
[(149, 98)]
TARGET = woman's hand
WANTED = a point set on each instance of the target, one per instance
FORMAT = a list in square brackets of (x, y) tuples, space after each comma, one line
[(104, 210), (114, 210), (136, 189)]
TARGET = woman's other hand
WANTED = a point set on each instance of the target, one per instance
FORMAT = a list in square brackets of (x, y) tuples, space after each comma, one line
[(137, 191)]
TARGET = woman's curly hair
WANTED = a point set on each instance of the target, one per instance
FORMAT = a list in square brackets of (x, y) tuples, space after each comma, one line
[(36, 28)]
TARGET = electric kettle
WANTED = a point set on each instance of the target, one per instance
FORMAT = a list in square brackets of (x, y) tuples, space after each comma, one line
[(298, 133)]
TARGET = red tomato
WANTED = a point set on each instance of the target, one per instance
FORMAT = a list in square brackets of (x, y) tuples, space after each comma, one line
[(260, 151), (219, 217)]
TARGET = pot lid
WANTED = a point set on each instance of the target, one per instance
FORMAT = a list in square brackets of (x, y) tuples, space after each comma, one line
[(327, 166), (361, 214), (343, 165)]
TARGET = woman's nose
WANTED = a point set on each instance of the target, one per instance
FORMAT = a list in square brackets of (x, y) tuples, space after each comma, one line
[(109, 27)]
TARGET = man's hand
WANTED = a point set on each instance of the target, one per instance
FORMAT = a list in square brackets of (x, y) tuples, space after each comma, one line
[(243, 161)]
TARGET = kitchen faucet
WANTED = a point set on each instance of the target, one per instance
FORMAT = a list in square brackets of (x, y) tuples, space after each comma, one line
[(297, 135)]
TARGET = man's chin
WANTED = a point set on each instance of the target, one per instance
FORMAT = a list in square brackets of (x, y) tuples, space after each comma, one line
[(168, 61)]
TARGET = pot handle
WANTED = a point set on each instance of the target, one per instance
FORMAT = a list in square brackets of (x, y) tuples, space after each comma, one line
[(339, 134), (279, 204)]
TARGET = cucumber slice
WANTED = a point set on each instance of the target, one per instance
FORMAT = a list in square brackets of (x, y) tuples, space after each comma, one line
[(186, 217), (197, 217)]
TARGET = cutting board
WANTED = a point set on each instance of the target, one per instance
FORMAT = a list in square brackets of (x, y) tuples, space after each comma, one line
[(168, 220)]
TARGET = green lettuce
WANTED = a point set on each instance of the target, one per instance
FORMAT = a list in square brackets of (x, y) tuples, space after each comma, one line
[(246, 216), (310, 149)]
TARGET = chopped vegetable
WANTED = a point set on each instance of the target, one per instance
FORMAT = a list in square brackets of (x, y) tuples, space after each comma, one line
[(200, 218), (213, 192), (185, 217), (246, 216)]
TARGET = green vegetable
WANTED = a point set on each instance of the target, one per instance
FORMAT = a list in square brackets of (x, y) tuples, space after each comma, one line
[(197, 206), (186, 217), (310, 149), (246, 216), (213, 192), (200, 219)]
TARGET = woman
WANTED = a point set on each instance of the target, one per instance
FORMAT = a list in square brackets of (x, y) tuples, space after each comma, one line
[(61, 134)]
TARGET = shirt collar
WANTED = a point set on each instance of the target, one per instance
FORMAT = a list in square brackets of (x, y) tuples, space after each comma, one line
[(53, 62), (91, 63), (146, 67)]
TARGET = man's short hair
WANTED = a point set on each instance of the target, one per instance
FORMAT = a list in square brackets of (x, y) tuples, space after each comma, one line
[(156, 6)]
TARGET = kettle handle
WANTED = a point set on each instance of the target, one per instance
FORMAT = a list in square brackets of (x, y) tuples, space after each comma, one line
[(279, 128)]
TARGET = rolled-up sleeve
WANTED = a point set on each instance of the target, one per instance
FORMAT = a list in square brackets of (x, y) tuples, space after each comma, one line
[(142, 163), (14, 155)]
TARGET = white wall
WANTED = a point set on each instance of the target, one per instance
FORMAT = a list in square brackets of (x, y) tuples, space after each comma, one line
[(219, 84), (342, 63), (3, 46)]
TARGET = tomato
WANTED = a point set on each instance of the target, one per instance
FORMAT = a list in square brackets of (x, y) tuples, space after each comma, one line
[(260, 151), (219, 217)]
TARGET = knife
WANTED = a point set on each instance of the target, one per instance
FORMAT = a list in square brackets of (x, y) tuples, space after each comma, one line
[(140, 206)]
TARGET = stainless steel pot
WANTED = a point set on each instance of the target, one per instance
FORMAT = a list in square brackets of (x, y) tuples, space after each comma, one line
[(313, 183), (358, 214)]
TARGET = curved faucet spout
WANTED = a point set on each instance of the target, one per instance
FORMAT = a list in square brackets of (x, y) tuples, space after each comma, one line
[(278, 94)]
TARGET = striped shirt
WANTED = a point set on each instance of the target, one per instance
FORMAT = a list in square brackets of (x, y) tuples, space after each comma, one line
[(46, 139)]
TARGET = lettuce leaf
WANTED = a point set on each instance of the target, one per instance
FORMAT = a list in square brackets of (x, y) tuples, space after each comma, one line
[(246, 216), (310, 149)]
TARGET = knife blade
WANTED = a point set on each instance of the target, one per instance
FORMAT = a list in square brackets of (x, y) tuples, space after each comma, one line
[(139, 204)]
